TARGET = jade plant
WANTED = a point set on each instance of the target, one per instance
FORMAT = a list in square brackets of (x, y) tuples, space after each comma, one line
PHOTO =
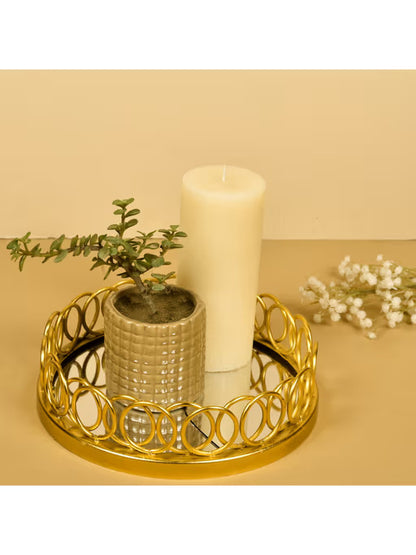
[(131, 257)]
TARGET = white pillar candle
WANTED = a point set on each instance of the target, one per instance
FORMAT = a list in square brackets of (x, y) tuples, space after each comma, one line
[(222, 213)]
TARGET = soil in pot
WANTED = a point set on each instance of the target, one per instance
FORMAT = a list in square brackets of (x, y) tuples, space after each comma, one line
[(170, 305)]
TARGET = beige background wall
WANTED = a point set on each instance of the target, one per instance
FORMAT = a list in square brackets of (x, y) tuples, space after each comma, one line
[(337, 148)]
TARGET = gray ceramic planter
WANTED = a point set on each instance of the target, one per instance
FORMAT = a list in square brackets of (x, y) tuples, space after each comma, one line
[(161, 363)]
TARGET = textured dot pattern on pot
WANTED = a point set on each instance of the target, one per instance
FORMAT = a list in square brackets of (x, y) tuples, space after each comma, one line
[(162, 363)]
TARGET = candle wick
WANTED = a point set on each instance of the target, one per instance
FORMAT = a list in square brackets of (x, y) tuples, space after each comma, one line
[(223, 173)]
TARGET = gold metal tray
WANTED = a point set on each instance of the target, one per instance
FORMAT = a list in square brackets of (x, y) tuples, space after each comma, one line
[(238, 427)]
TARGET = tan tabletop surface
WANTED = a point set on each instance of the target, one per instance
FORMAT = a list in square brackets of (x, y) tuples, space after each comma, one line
[(366, 427)]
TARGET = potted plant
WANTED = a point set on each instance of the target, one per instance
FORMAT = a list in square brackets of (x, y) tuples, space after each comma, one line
[(154, 333)]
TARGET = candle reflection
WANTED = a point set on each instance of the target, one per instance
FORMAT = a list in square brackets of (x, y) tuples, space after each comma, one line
[(220, 387)]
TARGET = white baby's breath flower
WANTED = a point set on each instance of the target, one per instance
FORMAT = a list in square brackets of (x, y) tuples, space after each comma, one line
[(343, 265), (395, 316), (385, 307), (396, 302), (324, 303), (385, 273), (389, 283), (313, 281), (349, 276), (309, 295)]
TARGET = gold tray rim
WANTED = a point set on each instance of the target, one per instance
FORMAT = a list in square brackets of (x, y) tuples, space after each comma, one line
[(188, 468), (187, 465)]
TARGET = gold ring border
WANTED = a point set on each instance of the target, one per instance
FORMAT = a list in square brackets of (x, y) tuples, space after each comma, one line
[(184, 469)]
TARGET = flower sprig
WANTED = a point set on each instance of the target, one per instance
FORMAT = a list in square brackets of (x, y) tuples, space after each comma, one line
[(366, 295)]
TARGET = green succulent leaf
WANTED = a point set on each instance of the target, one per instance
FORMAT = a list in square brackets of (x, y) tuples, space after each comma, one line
[(159, 277), (13, 244), (141, 266), (131, 223), (56, 245), (158, 287), (158, 261), (36, 250), (61, 255), (103, 253), (21, 262), (133, 212), (123, 203), (97, 263)]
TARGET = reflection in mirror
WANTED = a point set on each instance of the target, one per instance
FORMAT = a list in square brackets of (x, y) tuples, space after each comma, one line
[(245, 412)]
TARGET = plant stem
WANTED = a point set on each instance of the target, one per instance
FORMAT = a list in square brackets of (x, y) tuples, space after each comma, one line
[(143, 291)]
